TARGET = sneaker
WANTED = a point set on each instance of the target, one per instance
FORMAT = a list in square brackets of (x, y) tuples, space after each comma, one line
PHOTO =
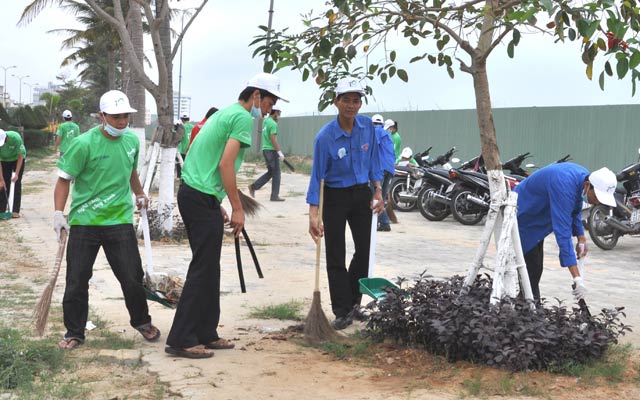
[(252, 191), (357, 314), (278, 199), (384, 228), (341, 322)]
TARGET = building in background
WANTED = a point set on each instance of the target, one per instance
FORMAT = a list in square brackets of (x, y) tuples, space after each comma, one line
[(39, 90), (185, 105)]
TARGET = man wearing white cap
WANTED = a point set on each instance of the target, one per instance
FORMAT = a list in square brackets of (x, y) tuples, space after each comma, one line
[(184, 143), (12, 162), (103, 165), (208, 176), (272, 155), (67, 131), (387, 163), (392, 127), (550, 200), (345, 156)]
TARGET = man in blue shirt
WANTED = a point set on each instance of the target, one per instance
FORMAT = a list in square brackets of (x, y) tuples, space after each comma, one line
[(550, 200), (387, 163), (345, 155)]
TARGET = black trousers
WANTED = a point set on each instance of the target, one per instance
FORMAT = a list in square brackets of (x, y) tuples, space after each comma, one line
[(121, 248), (196, 319), (178, 167), (8, 167), (534, 259), (273, 172), (342, 206)]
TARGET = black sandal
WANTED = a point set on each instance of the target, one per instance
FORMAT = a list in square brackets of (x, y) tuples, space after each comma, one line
[(198, 351), (70, 343)]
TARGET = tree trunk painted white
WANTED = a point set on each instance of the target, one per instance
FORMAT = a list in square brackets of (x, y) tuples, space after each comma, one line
[(166, 192), (149, 166)]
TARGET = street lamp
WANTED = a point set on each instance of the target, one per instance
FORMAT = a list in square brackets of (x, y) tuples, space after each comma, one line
[(4, 88), (20, 78), (31, 86)]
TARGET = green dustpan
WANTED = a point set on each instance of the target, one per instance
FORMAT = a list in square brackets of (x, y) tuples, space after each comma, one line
[(377, 288), (8, 214)]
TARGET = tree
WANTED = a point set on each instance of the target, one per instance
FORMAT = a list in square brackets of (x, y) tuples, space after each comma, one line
[(342, 39), (162, 91)]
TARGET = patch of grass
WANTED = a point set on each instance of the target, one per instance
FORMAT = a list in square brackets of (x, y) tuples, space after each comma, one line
[(22, 360), (285, 311), (610, 368), (473, 386), (355, 346), (110, 341)]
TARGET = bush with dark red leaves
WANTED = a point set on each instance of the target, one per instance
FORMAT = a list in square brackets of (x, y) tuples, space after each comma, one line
[(460, 324)]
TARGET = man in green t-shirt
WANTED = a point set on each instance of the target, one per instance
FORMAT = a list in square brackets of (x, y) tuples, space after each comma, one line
[(272, 156), (103, 165), (67, 131), (184, 143), (392, 127), (12, 161), (208, 176)]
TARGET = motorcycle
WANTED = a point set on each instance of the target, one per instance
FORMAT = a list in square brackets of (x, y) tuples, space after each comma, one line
[(407, 182), (471, 197), (607, 224), (433, 202)]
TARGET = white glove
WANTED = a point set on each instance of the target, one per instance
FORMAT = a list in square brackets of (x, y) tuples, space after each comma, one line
[(580, 289), (59, 223), (142, 201), (280, 155)]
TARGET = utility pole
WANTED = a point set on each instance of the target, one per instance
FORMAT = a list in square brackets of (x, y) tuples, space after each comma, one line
[(4, 88), (258, 124)]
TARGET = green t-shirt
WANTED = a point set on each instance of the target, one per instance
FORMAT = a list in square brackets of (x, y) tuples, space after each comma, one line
[(397, 144), (269, 127), (201, 170), (101, 168), (67, 131), (184, 143), (13, 145)]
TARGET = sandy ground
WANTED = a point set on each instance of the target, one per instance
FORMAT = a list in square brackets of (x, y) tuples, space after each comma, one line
[(264, 367)]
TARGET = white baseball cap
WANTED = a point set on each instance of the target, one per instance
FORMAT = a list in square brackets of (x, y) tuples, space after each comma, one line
[(406, 152), (388, 124), (377, 119), (66, 114), (268, 82), (184, 116), (604, 183), (348, 85), (115, 102), (3, 137), (276, 108)]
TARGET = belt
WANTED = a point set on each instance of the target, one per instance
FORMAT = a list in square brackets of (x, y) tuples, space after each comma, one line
[(359, 186)]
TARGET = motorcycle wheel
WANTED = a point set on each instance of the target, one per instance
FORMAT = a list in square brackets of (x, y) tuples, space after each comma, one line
[(465, 212), (430, 209), (400, 205), (603, 235)]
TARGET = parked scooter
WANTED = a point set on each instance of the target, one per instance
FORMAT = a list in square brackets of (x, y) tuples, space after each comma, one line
[(433, 201), (407, 182), (606, 224)]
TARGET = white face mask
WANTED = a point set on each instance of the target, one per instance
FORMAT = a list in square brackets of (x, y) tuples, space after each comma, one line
[(256, 112), (113, 131)]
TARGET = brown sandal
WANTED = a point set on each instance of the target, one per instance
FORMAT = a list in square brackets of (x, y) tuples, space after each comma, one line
[(220, 344), (149, 332), (69, 343), (198, 351)]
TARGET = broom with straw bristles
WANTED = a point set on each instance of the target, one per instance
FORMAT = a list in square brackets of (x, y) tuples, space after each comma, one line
[(41, 312), (390, 212), (316, 326), (249, 205)]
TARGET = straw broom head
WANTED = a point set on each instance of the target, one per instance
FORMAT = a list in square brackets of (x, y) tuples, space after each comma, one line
[(41, 312), (249, 205), (316, 327)]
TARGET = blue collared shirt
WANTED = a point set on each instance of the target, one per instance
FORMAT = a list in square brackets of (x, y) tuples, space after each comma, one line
[(385, 150), (550, 200), (344, 159)]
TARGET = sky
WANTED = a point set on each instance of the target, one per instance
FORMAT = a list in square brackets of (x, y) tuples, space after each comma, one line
[(217, 63)]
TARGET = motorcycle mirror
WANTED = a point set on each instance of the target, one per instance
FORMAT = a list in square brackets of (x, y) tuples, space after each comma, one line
[(530, 165), (455, 160)]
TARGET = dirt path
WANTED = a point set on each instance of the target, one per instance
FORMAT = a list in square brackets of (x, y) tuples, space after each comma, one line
[(264, 367)]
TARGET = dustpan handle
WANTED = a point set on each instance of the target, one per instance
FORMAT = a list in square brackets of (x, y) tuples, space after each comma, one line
[(147, 240), (372, 241), (319, 241)]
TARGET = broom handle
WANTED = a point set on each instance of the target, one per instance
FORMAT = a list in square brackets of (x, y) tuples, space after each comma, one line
[(147, 240), (59, 254), (319, 241)]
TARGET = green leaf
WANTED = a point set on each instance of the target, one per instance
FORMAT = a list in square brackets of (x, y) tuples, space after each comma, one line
[(516, 37), (440, 44), (373, 68), (601, 80), (547, 5), (450, 71), (414, 40), (268, 66), (305, 75), (607, 68), (622, 67), (635, 59), (392, 72), (432, 59), (351, 51), (365, 26), (325, 47), (572, 34), (392, 55), (601, 44), (589, 71), (383, 77), (510, 49), (402, 74)]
